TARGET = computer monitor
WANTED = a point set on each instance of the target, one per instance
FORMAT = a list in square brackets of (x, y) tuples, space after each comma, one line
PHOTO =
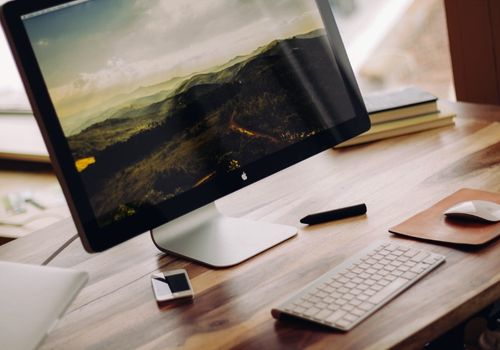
[(152, 110)]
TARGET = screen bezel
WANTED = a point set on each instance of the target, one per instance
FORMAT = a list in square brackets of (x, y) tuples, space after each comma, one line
[(96, 238)]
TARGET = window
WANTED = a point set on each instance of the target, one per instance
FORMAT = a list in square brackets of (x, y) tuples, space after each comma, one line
[(393, 43)]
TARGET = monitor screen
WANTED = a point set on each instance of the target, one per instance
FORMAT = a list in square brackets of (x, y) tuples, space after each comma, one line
[(163, 102)]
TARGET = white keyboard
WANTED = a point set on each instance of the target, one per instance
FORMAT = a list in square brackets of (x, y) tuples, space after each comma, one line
[(352, 291)]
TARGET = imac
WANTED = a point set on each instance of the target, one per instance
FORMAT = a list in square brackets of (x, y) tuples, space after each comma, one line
[(152, 110)]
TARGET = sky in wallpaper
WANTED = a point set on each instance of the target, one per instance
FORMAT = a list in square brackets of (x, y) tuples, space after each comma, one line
[(99, 49)]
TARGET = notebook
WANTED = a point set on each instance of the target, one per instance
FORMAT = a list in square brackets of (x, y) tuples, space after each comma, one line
[(32, 298), (431, 224)]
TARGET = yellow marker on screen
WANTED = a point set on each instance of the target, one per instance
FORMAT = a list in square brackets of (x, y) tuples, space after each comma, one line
[(82, 164)]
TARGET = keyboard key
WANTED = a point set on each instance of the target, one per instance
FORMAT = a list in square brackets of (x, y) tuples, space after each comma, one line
[(336, 316), (409, 275), (348, 296), (321, 305), (348, 307), (333, 307), (350, 285), (350, 275), (312, 311), (411, 253), (356, 270), (328, 289), (295, 308), (431, 260), (343, 323), (391, 247), (321, 294), (362, 287), (323, 314), (335, 295), (358, 312), (314, 299), (367, 306), (420, 256), (335, 284), (350, 317), (355, 302), (342, 290), (385, 292), (383, 282), (328, 300), (356, 280), (300, 310), (306, 304), (370, 292), (418, 268)]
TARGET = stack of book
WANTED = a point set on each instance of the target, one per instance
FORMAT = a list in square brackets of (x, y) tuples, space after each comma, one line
[(400, 113)]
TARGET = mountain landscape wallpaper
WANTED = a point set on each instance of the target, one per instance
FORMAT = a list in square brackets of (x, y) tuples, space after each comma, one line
[(170, 93)]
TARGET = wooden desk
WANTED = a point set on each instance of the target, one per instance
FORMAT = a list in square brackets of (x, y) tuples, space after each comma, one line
[(395, 178)]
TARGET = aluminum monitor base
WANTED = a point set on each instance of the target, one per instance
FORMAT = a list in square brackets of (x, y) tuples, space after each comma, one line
[(208, 237)]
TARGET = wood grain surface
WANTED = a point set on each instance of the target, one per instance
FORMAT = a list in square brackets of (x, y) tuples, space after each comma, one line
[(395, 178)]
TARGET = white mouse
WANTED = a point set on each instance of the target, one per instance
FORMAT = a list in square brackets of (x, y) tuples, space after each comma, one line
[(478, 210)]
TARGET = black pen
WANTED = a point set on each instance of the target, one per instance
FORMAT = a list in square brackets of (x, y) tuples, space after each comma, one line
[(336, 214)]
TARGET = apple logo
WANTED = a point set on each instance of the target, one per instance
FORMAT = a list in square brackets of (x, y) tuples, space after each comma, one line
[(244, 176)]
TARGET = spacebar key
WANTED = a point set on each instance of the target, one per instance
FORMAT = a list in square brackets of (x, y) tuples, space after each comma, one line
[(388, 290)]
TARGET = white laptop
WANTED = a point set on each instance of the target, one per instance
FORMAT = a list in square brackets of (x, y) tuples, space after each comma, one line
[(32, 299)]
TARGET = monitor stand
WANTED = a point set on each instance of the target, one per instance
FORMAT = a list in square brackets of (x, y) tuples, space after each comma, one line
[(208, 237)]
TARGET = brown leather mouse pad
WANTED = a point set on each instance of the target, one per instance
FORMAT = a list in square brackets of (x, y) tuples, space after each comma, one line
[(432, 224)]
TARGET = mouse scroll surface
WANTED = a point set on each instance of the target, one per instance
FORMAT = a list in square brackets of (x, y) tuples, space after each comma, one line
[(478, 210)]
